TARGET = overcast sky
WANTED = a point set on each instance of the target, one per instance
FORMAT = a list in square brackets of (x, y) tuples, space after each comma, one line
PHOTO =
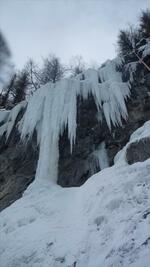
[(36, 28)]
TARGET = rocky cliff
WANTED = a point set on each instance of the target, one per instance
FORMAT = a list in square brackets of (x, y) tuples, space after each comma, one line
[(18, 161)]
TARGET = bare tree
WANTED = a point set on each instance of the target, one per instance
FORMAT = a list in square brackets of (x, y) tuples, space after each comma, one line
[(77, 65), (52, 70), (33, 76), (20, 87)]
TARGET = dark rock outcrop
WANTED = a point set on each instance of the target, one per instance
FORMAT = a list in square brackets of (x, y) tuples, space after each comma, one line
[(17, 166), (74, 169), (138, 151)]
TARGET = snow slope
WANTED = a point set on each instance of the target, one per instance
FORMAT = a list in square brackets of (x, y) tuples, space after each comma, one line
[(104, 223)]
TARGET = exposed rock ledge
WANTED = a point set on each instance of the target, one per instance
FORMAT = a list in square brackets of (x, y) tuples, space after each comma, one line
[(138, 151)]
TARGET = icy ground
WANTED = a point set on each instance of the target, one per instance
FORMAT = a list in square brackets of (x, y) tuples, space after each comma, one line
[(104, 223)]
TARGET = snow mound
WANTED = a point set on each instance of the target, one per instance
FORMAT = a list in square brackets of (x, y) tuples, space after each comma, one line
[(53, 108), (104, 223)]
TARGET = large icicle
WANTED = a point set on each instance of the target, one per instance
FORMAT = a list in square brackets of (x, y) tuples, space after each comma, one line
[(53, 107), (49, 111), (98, 159), (9, 118), (101, 156)]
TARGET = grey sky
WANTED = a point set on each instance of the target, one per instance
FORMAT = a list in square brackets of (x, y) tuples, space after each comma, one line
[(36, 28)]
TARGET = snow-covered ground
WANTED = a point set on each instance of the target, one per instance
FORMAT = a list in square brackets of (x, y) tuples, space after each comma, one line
[(104, 223)]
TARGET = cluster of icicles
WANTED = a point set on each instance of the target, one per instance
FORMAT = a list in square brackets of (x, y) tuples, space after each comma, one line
[(53, 107)]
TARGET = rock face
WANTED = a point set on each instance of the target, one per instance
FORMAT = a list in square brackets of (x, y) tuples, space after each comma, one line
[(18, 164), (17, 167), (74, 169)]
